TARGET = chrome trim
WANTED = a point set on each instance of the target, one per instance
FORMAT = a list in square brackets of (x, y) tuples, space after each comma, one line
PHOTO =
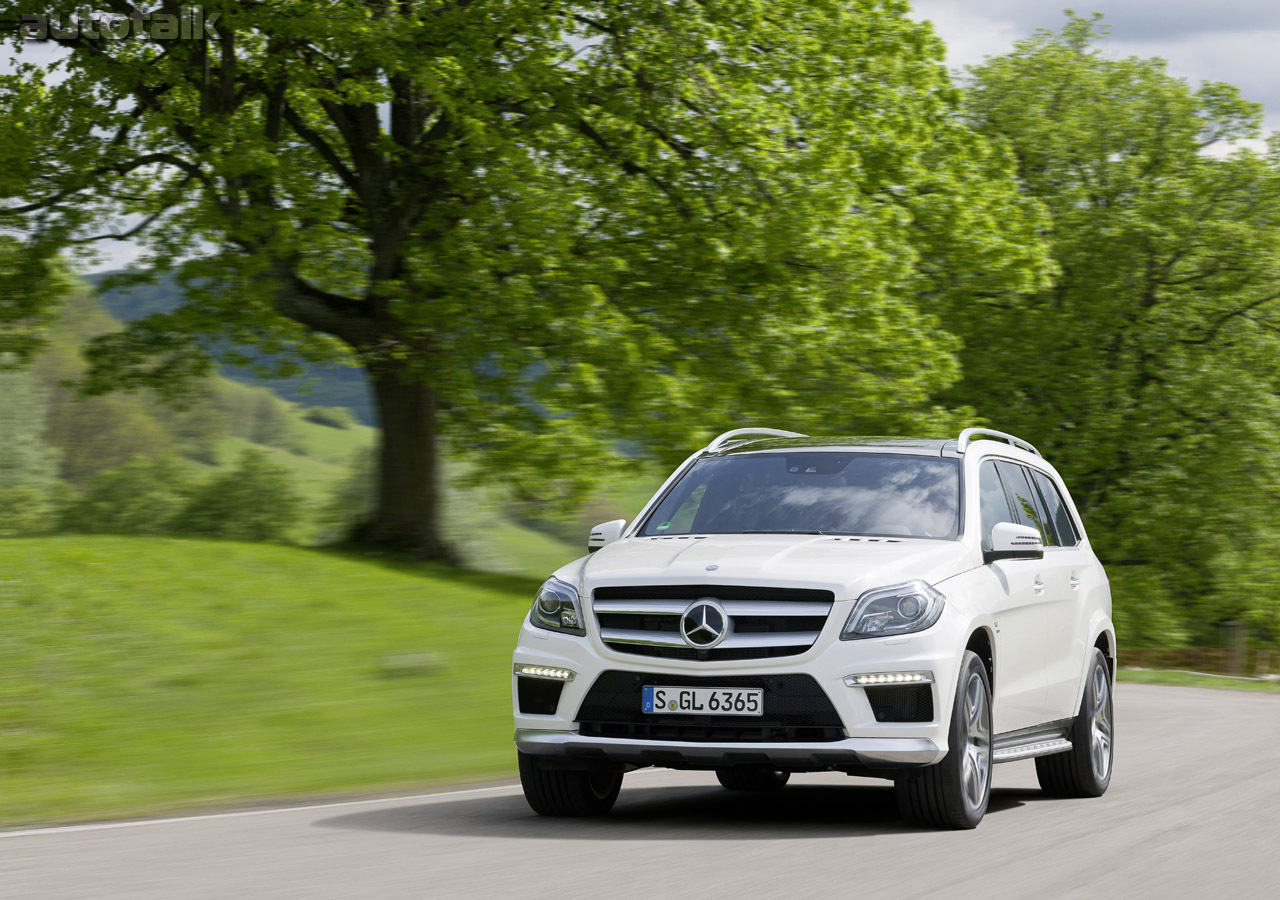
[(641, 607), (671, 639), (872, 752), (643, 638), (1026, 751), (733, 610)]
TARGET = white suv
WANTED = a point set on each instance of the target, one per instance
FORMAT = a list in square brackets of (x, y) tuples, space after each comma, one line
[(910, 609)]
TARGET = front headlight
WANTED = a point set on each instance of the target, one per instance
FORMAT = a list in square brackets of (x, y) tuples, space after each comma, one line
[(897, 609), (556, 608)]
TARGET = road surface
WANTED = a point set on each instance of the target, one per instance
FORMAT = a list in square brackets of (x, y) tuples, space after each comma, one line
[(1193, 811)]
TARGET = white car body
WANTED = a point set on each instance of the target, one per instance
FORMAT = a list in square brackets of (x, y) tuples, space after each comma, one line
[(1034, 622)]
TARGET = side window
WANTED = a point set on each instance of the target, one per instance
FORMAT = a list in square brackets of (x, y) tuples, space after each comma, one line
[(1026, 501), (1056, 508), (992, 501)]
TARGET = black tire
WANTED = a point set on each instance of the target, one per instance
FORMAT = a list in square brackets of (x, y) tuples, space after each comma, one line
[(751, 778), (572, 792), (1085, 769), (954, 793)]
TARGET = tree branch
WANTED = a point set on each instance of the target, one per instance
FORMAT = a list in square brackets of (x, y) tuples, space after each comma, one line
[(323, 147), (343, 317)]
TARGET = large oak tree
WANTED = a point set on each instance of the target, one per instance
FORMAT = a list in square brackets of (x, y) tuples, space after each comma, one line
[(540, 227)]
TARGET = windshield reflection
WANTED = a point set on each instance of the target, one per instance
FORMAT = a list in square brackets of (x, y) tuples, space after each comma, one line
[(813, 493)]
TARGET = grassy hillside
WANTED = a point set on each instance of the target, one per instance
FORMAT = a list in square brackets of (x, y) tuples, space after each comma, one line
[(145, 674)]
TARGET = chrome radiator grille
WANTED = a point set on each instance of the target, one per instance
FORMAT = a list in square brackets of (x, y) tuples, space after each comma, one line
[(763, 622)]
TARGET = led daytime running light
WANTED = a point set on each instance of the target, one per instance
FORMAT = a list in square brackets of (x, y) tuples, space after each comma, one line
[(549, 672), (879, 678)]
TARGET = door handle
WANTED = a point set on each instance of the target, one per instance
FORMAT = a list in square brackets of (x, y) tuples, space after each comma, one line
[(1075, 583), (1039, 586)]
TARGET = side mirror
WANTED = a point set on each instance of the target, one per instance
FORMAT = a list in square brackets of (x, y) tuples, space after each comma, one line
[(605, 533), (1010, 541)]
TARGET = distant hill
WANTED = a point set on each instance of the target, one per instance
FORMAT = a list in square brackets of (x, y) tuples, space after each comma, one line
[(321, 385)]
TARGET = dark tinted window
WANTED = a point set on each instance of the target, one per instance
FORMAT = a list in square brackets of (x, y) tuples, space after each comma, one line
[(1056, 509), (808, 492), (992, 501), (1026, 501)]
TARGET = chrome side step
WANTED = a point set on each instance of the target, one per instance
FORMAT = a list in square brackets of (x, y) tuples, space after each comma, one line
[(1039, 740), (1026, 751)]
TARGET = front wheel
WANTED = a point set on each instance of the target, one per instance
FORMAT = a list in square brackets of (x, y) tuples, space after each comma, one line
[(568, 792), (1085, 769), (954, 793)]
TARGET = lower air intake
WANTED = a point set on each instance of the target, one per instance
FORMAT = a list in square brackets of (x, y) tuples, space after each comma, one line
[(902, 702)]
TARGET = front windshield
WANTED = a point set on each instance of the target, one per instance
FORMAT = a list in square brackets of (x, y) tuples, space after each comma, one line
[(813, 493)]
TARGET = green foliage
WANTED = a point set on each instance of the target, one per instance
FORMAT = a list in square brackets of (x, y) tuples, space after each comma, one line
[(29, 493), (254, 501), (27, 510), (32, 282), (565, 222), (26, 459), (142, 497), (1149, 373), (351, 499)]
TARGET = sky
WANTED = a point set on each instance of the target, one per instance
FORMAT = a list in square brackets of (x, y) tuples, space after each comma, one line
[(1202, 40), (1216, 40)]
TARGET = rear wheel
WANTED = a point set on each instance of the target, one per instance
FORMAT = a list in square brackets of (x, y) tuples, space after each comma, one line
[(573, 792), (954, 792), (751, 778), (1085, 769)]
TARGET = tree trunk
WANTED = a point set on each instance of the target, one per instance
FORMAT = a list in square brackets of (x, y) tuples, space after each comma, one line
[(409, 494)]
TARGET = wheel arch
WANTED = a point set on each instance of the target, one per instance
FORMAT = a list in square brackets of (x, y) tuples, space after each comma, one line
[(1106, 642), (982, 642), (1104, 639)]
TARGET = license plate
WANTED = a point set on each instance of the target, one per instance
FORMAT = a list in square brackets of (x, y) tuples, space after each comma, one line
[(703, 701)]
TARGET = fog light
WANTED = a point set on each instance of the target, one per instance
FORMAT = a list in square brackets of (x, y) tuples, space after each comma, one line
[(549, 672), (879, 678)]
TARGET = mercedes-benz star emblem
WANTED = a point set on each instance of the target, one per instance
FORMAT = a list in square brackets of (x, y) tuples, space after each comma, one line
[(704, 624)]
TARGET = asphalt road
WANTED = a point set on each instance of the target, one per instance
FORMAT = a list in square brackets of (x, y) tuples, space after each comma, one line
[(1193, 811)]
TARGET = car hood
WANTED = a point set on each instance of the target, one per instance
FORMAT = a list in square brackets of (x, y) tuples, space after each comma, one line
[(845, 565)]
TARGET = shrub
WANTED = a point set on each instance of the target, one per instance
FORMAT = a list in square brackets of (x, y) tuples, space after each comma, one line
[(255, 501), (26, 511), (141, 497)]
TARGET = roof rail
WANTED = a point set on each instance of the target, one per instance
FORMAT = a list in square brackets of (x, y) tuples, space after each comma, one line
[(967, 436), (740, 432)]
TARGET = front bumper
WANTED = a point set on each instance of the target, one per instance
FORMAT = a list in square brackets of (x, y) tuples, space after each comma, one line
[(865, 742), (866, 752)]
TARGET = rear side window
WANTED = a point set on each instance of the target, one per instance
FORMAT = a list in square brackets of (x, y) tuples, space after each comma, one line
[(992, 501), (1056, 508), (1026, 501)]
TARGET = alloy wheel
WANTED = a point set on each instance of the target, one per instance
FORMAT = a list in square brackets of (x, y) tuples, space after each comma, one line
[(977, 751), (1100, 724)]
